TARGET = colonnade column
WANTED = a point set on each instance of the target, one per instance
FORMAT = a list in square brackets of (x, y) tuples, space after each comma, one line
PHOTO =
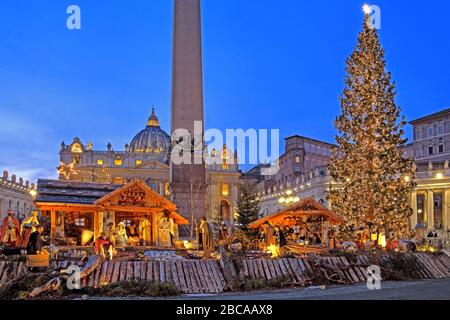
[(414, 209), (446, 208), (2, 208), (430, 209)]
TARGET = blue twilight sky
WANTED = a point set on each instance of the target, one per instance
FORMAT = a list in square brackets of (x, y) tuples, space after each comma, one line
[(267, 64)]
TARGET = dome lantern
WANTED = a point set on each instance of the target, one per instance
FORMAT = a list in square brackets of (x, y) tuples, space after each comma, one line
[(153, 120)]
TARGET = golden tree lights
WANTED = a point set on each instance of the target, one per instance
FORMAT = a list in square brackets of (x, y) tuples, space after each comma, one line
[(373, 179)]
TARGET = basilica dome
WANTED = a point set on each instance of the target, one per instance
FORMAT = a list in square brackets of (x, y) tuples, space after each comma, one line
[(152, 139)]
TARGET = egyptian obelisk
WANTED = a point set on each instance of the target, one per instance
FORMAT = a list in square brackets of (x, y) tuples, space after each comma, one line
[(187, 180)]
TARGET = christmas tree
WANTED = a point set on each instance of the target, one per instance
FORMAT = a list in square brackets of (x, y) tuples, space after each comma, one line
[(247, 206), (370, 179)]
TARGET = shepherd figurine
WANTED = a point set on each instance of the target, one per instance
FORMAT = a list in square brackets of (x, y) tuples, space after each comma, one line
[(206, 238)]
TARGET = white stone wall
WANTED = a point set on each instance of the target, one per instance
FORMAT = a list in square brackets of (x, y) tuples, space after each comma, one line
[(15, 195)]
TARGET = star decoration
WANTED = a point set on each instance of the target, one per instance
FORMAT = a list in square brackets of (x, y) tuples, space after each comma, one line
[(367, 9), (68, 170)]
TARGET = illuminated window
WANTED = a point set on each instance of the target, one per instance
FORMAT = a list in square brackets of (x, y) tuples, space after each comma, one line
[(225, 189), (80, 222), (100, 162), (138, 162), (118, 162), (297, 159)]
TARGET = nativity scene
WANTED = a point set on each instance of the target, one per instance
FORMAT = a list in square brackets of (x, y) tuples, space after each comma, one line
[(128, 215)]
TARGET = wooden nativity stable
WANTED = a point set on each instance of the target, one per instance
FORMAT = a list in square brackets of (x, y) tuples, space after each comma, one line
[(83, 210), (308, 214)]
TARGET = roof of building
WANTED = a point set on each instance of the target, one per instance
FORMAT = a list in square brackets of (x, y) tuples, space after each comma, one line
[(307, 207), (71, 194), (311, 139), (59, 191), (431, 116)]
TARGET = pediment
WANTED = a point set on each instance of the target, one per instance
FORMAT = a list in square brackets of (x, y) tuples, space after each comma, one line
[(153, 165), (136, 194)]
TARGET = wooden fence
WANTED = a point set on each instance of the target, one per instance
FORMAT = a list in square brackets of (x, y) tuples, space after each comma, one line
[(189, 276), (206, 276), (299, 270)]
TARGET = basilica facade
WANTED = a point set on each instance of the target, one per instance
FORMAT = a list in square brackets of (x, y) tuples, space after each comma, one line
[(147, 158)]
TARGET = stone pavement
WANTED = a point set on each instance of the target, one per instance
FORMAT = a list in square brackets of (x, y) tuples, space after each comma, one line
[(409, 290)]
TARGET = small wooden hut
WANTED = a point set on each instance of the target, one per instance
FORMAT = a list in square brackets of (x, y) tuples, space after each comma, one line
[(307, 223), (90, 207)]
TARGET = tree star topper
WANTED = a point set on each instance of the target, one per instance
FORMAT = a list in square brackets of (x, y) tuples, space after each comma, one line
[(367, 8)]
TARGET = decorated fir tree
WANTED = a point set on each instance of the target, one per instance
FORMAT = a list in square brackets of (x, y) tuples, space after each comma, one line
[(371, 180), (247, 206)]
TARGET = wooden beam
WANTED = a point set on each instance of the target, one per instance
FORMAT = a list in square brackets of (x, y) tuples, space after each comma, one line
[(134, 209), (96, 225), (154, 230), (66, 207), (52, 223)]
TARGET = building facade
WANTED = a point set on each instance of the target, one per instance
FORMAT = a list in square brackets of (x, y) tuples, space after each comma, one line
[(302, 173), (430, 200), (16, 195), (432, 137), (147, 158), (430, 149)]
